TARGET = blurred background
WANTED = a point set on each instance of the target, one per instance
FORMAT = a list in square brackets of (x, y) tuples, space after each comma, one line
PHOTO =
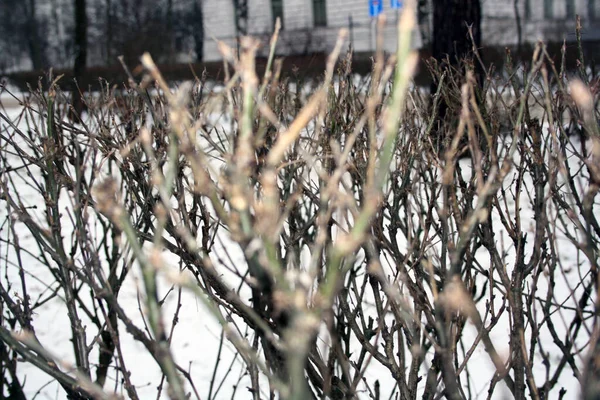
[(38, 34)]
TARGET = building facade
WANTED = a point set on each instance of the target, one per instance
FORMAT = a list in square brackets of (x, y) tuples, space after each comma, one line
[(176, 31), (312, 25)]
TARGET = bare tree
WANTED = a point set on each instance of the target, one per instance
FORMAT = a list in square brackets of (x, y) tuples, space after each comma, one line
[(81, 51), (518, 21), (22, 33), (198, 29), (109, 27), (35, 41)]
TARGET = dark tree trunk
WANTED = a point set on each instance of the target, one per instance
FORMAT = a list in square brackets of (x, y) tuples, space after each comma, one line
[(451, 47), (170, 16), (109, 32), (198, 31), (519, 27), (34, 42), (172, 48), (591, 375), (451, 22), (80, 53)]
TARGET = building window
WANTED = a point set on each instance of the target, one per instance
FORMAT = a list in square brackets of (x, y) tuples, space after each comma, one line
[(570, 9), (592, 9), (277, 11), (319, 13), (548, 9)]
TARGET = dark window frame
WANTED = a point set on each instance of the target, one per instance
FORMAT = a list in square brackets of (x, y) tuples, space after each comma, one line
[(277, 11), (319, 12), (570, 9), (548, 9)]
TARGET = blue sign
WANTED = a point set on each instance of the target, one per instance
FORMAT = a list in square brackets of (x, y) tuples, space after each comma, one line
[(375, 7), (396, 3)]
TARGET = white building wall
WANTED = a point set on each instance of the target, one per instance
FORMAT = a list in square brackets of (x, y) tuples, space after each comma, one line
[(499, 25), (259, 17), (297, 15), (218, 24)]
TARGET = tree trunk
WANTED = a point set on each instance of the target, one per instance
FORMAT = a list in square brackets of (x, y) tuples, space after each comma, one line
[(452, 45), (34, 42), (451, 22), (591, 374), (198, 30), (172, 48), (109, 33), (80, 53), (519, 27)]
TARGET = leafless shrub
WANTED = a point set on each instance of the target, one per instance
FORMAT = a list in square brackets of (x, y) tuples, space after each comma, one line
[(321, 226)]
